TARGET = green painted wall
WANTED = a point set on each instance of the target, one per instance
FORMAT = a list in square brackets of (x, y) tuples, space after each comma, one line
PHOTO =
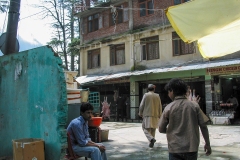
[(33, 101)]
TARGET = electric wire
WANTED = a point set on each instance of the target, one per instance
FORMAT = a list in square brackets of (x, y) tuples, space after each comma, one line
[(126, 8), (34, 39), (18, 34), (110, 7), (5, 19), (35, 14)]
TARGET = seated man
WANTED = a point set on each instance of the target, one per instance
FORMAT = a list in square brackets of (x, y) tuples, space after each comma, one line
[(233, 100), (79, 135)]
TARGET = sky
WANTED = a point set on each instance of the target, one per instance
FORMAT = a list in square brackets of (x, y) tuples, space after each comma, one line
[(33, 31)]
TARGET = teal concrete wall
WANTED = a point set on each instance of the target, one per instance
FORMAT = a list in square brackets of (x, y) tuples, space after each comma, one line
[(33, 100)]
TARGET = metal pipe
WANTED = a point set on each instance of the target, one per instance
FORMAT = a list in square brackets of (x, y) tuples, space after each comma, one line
[(13, 17)]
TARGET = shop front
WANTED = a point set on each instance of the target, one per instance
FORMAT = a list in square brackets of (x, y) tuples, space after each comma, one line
[(214, 82), (195, 84), (194, 78), (226, 89), (113, 92)]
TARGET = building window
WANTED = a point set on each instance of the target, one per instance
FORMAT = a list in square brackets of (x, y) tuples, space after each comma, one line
[(117, 17), (180, 47), (93, 23), (94, 59), (150, 48), (117, 54), (176, 2), (146, 7)]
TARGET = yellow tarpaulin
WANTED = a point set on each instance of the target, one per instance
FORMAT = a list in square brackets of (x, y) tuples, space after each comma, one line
[(214, 24)]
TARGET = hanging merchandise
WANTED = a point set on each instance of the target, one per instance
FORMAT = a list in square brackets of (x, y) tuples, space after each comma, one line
[(115, 96), (114, 15), (105, 109)]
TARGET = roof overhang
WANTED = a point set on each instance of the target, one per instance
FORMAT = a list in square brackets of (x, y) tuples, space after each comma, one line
[(204, 65)]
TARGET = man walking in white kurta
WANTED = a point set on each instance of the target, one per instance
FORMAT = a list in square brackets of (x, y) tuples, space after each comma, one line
[(150, 110)]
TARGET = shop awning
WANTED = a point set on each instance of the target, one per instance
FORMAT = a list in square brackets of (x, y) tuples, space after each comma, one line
[(99, 78), (204, 65), (214, 24)]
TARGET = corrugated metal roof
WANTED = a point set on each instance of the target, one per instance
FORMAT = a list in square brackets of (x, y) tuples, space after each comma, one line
[(98, 78)]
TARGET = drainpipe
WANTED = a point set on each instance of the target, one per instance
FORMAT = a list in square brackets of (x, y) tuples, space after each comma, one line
[(13, 17), (131, 44), (130, 23), (131, 52)]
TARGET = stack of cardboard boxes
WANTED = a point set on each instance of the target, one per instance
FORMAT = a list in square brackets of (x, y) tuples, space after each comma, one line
[(73, 93)]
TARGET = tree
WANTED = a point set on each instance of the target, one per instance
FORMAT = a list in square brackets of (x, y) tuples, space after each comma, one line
[(55, 43), (61, 12), (73, 30), (4, 5), (74, 49)]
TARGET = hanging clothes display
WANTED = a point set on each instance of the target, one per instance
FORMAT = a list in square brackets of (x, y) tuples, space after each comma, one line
[(105, 109)]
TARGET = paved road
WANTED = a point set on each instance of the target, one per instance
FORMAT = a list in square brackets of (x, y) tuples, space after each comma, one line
[(126, 141)]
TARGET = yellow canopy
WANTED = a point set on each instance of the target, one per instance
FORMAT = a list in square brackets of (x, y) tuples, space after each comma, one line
[(214, 24)]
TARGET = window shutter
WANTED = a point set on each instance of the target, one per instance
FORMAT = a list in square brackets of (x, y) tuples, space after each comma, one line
[(150, 6), (183, 51), (99, 61), (191, 48), (89, 62), (125, 15), (100, 21), (123, 56), (144, 57), (112, 56), (157, 51), (142, 10), (83, 25), (120, 56)]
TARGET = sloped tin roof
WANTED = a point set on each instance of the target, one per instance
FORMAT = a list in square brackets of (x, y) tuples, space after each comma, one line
[(203, 65)]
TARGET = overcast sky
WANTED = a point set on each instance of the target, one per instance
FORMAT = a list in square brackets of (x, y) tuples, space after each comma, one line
[(32, 30)]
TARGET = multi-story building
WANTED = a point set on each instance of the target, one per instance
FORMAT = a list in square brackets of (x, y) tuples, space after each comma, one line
[(127, 44)]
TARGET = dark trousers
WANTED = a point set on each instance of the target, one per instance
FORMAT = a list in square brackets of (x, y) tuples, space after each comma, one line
[(183, 156)]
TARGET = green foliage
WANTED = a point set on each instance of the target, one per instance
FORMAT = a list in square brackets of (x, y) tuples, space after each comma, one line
[(138, 68), (65, 27), (55, 43), (73, 47), (132, 68)]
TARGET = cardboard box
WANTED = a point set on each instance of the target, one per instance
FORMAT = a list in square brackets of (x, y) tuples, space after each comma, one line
[(220, 120), (73, 96), (28, 149), (104, 134)]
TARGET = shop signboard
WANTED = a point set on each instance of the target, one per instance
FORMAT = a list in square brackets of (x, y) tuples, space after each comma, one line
[(223, 70)]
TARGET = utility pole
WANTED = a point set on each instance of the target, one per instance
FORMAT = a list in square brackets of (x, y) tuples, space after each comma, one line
[(13, 17)]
